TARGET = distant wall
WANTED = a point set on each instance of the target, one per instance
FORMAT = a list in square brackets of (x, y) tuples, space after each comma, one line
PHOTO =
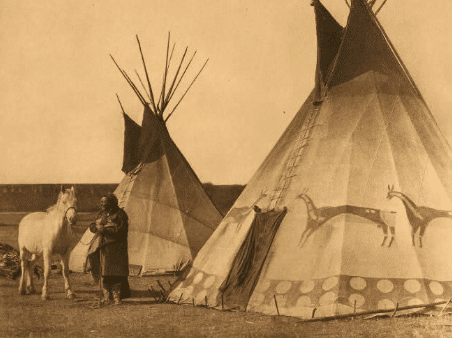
[(38, 197)]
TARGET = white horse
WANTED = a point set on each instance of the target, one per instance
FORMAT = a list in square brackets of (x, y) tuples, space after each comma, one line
[(45, 234)]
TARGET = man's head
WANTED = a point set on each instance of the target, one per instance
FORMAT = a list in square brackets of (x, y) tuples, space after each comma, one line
[(108, 202)]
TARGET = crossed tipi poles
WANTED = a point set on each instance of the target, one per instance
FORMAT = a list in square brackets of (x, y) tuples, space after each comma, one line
[(169, 87)]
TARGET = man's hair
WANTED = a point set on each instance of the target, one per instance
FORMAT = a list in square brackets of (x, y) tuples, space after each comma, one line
[(112, 201)]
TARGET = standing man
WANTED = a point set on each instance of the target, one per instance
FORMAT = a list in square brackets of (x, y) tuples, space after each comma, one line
[(108, 251)]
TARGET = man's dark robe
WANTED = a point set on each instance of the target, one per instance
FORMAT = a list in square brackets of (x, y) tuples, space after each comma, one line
[(109, 247)]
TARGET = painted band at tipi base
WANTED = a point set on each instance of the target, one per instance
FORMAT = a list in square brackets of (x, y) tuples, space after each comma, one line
[(336, 240)]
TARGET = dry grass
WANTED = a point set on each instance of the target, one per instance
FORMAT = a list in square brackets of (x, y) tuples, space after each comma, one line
[(143, 316)]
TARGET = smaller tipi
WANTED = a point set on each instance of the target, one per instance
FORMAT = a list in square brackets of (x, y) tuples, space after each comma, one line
[(170, 214)]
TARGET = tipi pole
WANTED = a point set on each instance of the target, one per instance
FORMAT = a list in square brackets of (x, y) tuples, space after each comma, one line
[(169, 95), (122, 108), (379, 8), (147, 76), (161, 98), (172, 91), (165, 74), (371, 312), (186, 91), (142, 85), (130, 82)]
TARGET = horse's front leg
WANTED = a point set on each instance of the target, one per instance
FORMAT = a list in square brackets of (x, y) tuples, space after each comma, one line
[(65, 272), (46, 257), (384, 227), (392, 229)]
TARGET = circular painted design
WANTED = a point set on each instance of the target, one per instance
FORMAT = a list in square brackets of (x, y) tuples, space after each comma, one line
[(307, 286), (258, 299), (358, 283), (386, 304), (328, 298), (330, 283), (304, 301), (262, 287), (283, 286), (415, 301), (436, 288), (198, 278), (359, 299), (200, 298), (385, 286), (209, 281), (412, 285)]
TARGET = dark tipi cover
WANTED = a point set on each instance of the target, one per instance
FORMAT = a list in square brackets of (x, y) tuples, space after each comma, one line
[(349, 211)]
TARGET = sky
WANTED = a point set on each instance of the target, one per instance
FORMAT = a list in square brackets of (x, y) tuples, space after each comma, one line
[(60, 121)]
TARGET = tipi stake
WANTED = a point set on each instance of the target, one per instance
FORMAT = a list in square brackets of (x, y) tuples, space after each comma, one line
[(313, 312), (180, 298), (276, 303), (395, 310), (442, 310)]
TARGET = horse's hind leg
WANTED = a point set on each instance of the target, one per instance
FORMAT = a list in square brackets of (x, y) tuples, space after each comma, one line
[(24, 270), (46, 257), (65, 272), (31, 267)]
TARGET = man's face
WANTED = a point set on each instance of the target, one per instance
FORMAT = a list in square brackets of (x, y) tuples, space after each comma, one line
[(103, 203)]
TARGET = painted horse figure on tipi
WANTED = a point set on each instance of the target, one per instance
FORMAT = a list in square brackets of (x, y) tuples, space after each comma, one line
[(46, 234), (419, 217), (318, 216)]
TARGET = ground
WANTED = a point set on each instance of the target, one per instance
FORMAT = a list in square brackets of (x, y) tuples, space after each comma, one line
[(144, 316)]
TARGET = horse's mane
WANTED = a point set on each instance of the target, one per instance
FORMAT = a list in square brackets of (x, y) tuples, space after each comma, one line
[(51, 208)]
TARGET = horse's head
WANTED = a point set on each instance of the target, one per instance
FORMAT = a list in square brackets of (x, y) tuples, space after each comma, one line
[(68, 203), (303, 194), (390, 192)]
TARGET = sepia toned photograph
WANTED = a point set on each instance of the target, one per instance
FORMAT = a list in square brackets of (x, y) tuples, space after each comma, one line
[(225, 169)]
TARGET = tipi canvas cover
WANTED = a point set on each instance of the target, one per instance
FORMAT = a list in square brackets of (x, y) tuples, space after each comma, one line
[(348, 211), (170, 214)]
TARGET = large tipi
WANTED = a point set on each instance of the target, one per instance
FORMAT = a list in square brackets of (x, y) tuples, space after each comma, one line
[(334, 220), (170, 214)]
